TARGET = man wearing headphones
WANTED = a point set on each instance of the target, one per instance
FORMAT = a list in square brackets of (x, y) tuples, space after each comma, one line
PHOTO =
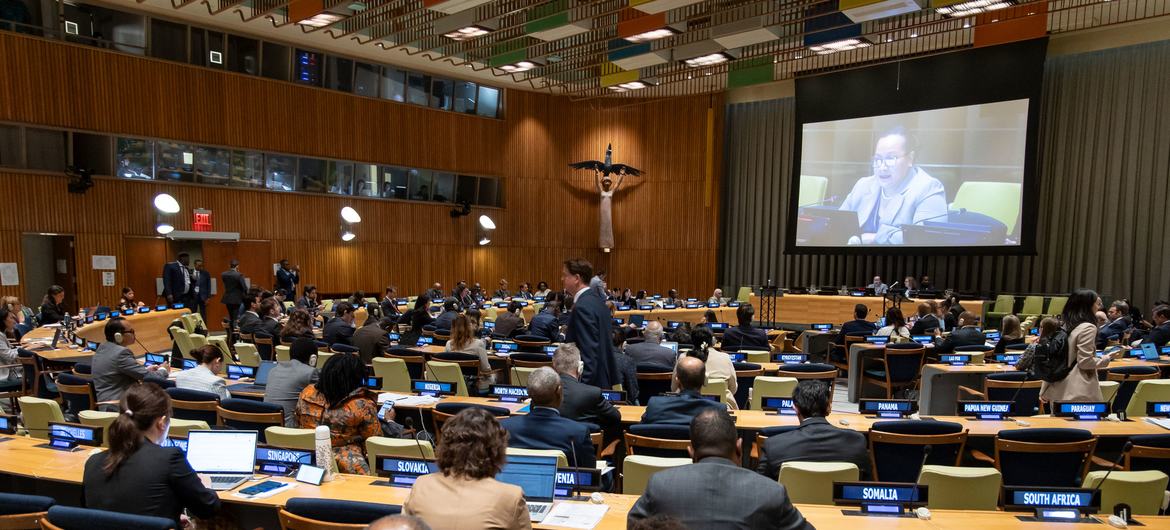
[(114, 366)]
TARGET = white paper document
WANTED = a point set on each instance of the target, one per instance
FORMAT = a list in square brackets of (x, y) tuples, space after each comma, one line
[(1161, 422), (406, 400), (575, 515)]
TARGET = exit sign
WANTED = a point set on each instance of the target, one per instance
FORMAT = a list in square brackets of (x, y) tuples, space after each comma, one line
[(202, 222)]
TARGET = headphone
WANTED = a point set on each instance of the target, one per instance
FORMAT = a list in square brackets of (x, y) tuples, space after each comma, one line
[(118, 339)]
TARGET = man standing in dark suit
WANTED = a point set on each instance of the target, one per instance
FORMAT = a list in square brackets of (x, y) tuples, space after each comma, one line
[(714, 492), (339, 330), (589, 326), (745, 336), (287, 279), (689, 375), (202, 290), (858, 325), (583, 402), (177, 280), (233, 291), (816, 440), (544, 427), (966, 335)]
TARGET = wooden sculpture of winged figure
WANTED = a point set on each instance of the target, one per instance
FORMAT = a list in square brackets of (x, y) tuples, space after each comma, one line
[(606, 187)]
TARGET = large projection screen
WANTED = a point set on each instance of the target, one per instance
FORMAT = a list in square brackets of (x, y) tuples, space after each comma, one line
[(935, 155)]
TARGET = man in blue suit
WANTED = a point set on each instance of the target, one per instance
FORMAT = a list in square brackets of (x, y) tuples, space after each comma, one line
[(589, 326), (287, 279), (859, 325), (544, 428), (177, 284), (689, 374), (201, 290)]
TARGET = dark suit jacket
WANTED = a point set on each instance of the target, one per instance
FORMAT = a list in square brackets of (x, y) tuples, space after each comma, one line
[(545, 324), (1112, 331), (270, 326), (390, 309), (651, 353), (337, 331), (816, 440), (965, 336), (1160, 335), (584, 403), (544, 428), (715, 493), (204, 283), (287, 280), (155, 481), (1002, 344), (417, 318), (678, 410), (445, 319), (233, 287), (507, 322), (589, 328), (924, 325), (855, 326), (371, 341), (744, 338), (173, 273), (52, 313), (249, 322)]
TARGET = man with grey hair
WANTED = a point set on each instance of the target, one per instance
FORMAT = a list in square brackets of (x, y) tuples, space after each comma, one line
[(399, 522), (650, 350), (584, 402), (544, 428)]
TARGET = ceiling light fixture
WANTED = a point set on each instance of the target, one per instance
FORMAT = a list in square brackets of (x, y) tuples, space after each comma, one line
[(165, 203), (654, 34), (164, 228), (522, 66), (708, 60), (321, 20), (347, 235), (839, 46), (973, 7), (487, 223), (350, 215), (467, 33), (483, 241)]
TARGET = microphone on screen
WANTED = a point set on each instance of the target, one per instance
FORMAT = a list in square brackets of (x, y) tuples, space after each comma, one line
[(821, 202)]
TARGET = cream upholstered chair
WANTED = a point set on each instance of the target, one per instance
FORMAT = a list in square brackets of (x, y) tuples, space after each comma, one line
[(96, 418), (812, 482), (961, 488), (448, 373), (37, 414), (401, 447), (395, 377), (1143, 491), (1147, 391), (562, 460), (769, 386), (637, 470)]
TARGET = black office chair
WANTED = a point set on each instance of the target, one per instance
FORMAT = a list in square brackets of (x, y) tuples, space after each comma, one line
[(653, 380), (816, 371), (468, 365), (665, 441), (1151, 452), (250, 415), (194, 404), (77, 393), (444, 411), (896, 448), (301, 512), (1008, 386), (414, 359), (745, 378), (1057, 458), (23, 511), (264, 345), (343, 348), (898, 368), (1128, 378), (70, 518)]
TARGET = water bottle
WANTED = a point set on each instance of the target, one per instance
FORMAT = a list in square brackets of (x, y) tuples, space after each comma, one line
[(324, 451)]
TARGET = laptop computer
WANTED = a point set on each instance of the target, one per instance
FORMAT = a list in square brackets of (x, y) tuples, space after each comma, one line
[(537, 476), (223, 459), (261, 381), (1151, 354)]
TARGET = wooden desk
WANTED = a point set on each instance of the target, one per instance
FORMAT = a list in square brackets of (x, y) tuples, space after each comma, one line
[(816, 309), (693, 316), (150, 329), (20, 457)]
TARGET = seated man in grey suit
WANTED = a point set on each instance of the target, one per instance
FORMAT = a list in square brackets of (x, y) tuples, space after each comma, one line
[(288, 378), (650, 351), (114, 368), (689, 375), (816, 440), (714, 492)]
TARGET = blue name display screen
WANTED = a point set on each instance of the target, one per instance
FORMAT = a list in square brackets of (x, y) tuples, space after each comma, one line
[(789, 358), (1082, 410), (781, 405), (432, 388), (405, 471), (880, 493), (1158, 408), (985, 410), (887, 408), (1048, 499), (955, 359), (509, 393), (567, 480)]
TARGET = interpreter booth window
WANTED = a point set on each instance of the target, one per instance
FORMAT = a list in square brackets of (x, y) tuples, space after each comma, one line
[(168, 40), (340, 178), (417, 86), (339, 73), (135, 158), (489, 102), (444, 187), (93, 152), (45, 149), (247, 169), (312, 173), (465, 188), (420, 184), (489, 193), (441, 93), (307, 67), (275, 61), (365, 79), (393, 84), (10, 146), (394, 182), (175, 162), (465, 97), (207, 48), (212, 165), (282, 173), (243, 55), (106, 28), (365, 180)]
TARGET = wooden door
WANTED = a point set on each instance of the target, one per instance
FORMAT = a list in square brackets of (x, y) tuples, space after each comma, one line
[(255, 258), (145, 257), (256, 263), (65, 271)]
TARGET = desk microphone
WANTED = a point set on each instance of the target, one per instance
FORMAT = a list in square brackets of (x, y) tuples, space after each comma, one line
[(1124, 378), (961, 211), (925, 454), (1124, 451), (818, 203), (1023, 382), (573, 489)]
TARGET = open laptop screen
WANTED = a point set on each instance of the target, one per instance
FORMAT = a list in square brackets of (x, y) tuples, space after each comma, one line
[(536, 475), (221, 451)]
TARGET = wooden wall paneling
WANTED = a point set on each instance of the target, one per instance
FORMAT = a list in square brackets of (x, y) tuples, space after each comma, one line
[(10, 253), (140, 263)]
